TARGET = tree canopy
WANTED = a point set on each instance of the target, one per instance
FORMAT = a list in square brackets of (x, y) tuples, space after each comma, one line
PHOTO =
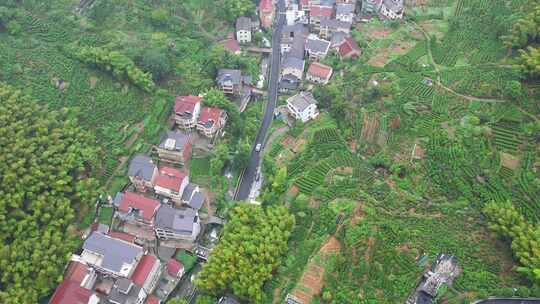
[(252, 243), (45, 159)]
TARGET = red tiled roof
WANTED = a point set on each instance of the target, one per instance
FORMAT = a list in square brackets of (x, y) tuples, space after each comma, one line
[(69, 292), (266, 5), (232, 45), (147, 206), (76, 272), (320, 11), (304, 3), (184, 104), (174, 267), (152, 299), (347, 46), (320, 70), (141, 273), (170, 178), (208, 113), (122, 236)]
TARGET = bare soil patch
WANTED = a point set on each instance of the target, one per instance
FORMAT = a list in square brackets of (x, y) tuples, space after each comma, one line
[(398, 47), (509, 161)]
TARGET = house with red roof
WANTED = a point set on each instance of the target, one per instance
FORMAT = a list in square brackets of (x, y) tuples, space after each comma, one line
[(79, 280), (211, 121), (318, 13), (349, 49), (135, 208), (171, 183), (319, 73), (152, 299), (230, 44), (186, 111), (175, 269), (147, 273), (266, 13)]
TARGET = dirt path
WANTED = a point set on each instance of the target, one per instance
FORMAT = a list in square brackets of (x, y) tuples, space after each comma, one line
[(438, 71)]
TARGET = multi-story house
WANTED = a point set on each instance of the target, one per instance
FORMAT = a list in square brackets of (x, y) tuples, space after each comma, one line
[(186, 111), (175, 147)]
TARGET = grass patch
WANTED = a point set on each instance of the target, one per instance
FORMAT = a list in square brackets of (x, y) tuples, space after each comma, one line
[(199, 169), (105, 215), (186, 259)]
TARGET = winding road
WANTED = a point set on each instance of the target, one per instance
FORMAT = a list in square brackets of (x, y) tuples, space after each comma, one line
[(249, 174)]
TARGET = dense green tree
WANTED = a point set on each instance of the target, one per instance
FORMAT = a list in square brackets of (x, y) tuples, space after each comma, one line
[(233, 9), (44, 162), (525, 30), (216, 98), (253, 241), (530, 61), (156, 62)]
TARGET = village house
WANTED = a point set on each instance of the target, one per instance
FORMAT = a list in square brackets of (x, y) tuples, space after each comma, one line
[(349, 49), (177, 224), (293, 66), (171, 183), (319, 73), (124, 291), (142, 172), (243, 30), (147, 273), (110, 256), (345, 12), (318, 13), (392, 9), (370, 7), (288, 83), (328, 27), (303, 106), (175, 146), (175, 269), (266, 13), (317, 48), (193, 197), (294, 15), (135, 208), (230, 44), (211, 121), (337, 39), (186, 111), (76, 288), (232, 82), (291, 36)]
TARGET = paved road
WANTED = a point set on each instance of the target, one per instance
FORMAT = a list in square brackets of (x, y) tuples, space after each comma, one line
[(509, 301), (249, 174)]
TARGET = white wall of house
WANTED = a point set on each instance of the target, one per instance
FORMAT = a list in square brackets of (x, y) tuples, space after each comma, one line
[(243, 36), (317, 79), (309, 113), (388, 13), (171, 235), (172, 194), (345, 17)]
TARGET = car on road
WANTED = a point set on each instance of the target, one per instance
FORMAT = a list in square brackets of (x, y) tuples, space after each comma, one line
[(258, 147)]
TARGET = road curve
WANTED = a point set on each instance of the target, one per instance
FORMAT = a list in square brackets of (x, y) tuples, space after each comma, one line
[(250, 173)]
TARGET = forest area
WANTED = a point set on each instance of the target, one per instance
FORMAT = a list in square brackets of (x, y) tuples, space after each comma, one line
[(83, 88)]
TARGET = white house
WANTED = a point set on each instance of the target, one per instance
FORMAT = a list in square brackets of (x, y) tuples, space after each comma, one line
[(319, 73), (177, 224), (243, 30), (293, 66), (303, 106), (345, 12), (392, 9), (294, 15)]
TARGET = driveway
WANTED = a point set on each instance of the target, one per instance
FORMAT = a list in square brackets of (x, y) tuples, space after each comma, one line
[(249, 174)]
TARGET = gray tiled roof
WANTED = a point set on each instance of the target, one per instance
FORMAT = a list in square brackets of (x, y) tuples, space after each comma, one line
[(336, 24), (141, 166), (317, 45), (302, 100), (394, 5), (289, 82), (344, 8), (178, 220), (180, 139), (337, 39), (197, 200), (293, 62), (243, 24), (224, 75), (298, 47), (118, 199), (290, 31), (118, 293), (188, 192), (115, 252)]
